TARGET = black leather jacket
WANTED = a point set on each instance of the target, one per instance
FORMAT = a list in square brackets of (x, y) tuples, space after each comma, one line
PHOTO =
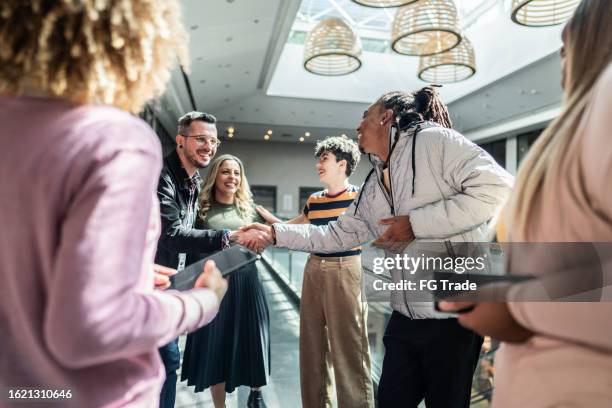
[(177, 237)]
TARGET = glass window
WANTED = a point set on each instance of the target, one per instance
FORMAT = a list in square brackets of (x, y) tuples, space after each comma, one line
[(266, 196), (497, 150), (167, 141), (525, 141)]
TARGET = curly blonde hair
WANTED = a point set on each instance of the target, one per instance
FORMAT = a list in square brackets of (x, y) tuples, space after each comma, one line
[(114, 52), (243, 200)]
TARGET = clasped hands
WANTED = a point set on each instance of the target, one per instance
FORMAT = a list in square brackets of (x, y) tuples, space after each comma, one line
[(398, 235), (255, 236)]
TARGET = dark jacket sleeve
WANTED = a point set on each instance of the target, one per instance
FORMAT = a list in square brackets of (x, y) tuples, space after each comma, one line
[(174, 236)]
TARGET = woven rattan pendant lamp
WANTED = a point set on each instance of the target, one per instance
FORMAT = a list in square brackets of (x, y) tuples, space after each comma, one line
[(332, 49), (542, 13), (451, 66), (383, 3), (427, 27)]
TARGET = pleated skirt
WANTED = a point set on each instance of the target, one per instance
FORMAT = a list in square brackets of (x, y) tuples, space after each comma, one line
[(235, 347)]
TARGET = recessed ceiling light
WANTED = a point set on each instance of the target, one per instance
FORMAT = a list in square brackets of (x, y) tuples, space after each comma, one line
[(266, 137), (194, 27), (534, 91), (307, 134), (202, 81), (199, 58), (227, 85), (230, 135), (256, 21), (302, 139), (230, 129), (269, 131), (229, 39)]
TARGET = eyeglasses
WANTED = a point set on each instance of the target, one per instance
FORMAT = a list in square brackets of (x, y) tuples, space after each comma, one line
[(201, 140)]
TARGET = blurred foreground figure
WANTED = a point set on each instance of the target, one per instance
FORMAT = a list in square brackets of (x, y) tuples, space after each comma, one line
[(560, 354), (80, 220)]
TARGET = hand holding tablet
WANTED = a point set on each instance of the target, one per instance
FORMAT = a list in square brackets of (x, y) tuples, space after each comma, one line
[(211, 278), (226, 262)]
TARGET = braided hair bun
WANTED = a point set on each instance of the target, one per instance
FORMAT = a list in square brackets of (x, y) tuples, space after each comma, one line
[(427, 102)]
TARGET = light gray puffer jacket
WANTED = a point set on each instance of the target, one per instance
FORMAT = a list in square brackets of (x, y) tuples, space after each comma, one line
[(458, 187)]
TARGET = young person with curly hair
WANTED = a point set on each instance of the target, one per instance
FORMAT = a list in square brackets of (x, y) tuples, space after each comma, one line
[(333, 330)]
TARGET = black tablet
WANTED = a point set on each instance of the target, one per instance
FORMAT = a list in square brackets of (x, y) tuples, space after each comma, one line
[(227, 261), (449, 286)]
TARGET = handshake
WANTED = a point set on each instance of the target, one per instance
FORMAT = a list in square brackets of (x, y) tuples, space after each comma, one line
[(256, 236)]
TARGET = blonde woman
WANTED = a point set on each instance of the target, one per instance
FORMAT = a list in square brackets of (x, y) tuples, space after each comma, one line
[(560, 354), (234, 349), (79, 320)]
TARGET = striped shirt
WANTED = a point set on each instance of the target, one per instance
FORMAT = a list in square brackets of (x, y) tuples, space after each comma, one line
[(321, 209)]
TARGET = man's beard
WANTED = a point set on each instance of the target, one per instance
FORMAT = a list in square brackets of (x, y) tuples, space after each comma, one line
[(198, 162)]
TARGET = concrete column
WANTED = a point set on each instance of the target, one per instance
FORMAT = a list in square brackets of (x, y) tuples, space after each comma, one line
[(511, 155)]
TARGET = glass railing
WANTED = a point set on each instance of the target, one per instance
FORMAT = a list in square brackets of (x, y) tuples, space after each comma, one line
[(289, 265)]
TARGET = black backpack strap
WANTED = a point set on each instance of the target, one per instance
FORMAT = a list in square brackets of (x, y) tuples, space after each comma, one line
[(416, 132)]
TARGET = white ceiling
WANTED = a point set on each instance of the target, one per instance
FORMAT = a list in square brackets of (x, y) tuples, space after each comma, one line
[(243, 72)]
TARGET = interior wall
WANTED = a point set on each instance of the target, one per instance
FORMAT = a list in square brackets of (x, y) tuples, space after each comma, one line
[(288, 166)]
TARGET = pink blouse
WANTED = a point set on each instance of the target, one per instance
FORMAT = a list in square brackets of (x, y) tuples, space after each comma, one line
[(80, 223)]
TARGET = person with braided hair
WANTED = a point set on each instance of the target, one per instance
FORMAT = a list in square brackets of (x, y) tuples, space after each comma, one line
[(428, 183)]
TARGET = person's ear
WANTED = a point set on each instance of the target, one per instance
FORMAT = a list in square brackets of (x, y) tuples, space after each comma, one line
[(180, 140), (342, 165), (388, 117)]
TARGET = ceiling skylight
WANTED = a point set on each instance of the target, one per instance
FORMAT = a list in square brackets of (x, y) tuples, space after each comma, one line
[(501, 47)]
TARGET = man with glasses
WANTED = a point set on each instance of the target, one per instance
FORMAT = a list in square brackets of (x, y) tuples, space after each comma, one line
[(178, 190)]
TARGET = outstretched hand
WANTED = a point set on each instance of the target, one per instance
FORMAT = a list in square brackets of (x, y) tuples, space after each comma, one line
[(211, 278), (397, 237), (256, 236), (267, 215)]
